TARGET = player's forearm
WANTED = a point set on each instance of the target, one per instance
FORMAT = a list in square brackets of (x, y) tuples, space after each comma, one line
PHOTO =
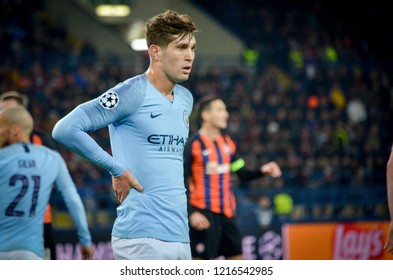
[(77, 212), (71, 131), (79, 217), (246, 175), (66, 186)]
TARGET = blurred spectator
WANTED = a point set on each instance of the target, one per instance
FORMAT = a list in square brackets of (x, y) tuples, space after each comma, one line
[(356, 111), (264, 211), (282, 202)]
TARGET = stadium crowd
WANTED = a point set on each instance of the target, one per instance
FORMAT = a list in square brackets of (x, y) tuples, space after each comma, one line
[(314, 101)]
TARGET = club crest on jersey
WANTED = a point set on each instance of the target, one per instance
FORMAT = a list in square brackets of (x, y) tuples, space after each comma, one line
[(186, 119), (109, 100)]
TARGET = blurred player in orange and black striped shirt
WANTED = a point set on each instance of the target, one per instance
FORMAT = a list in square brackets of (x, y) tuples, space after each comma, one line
[(209, 158)]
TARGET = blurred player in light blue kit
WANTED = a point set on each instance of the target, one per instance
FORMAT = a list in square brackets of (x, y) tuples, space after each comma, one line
[(27, 175), (147, 116)]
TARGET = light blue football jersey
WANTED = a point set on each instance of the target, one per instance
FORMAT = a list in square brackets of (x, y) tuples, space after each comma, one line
[(28, 173), (147, 133)]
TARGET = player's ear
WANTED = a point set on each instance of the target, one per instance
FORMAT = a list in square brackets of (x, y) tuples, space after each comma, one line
[(204, 116), (155, 52), (15, 129)]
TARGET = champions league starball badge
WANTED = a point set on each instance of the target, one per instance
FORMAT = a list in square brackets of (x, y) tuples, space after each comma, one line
[(109, 100)]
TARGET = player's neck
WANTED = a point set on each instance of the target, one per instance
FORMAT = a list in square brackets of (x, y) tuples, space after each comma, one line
[(163, 85), (19, 139), (211, 132)]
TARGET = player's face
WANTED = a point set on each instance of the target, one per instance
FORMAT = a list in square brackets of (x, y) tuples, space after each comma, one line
[(177, 58), (218, 114)]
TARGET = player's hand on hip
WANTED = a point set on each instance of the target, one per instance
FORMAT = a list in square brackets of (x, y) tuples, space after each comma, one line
[(271, 169), (199, 221), (123, 184)]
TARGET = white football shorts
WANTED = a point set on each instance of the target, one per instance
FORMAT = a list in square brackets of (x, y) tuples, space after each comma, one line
[(149, 249)]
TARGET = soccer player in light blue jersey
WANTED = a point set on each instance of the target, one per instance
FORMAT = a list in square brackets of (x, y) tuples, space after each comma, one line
[(147, 116), (27, 175)]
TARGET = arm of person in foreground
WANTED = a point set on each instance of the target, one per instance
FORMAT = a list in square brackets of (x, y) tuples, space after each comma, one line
[(268, 169), (71, 131), (196, 218), (73, 202)]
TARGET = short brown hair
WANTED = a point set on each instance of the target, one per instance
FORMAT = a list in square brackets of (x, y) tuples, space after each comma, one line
[(161, 29), (204, 104)]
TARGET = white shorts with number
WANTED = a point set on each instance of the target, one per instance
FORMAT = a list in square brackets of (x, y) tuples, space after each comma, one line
[(149, 249)]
